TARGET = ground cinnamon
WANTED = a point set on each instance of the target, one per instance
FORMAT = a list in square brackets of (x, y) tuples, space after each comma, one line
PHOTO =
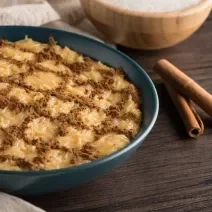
[(191, 119), (185, 85)]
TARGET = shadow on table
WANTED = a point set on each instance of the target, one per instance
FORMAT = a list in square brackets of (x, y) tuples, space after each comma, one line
[(167, 105), (175, 119)]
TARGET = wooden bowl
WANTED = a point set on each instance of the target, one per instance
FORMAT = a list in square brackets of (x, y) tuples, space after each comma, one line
[(145, 30)]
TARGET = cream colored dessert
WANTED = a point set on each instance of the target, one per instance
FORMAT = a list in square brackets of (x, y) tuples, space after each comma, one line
[(59, 108)]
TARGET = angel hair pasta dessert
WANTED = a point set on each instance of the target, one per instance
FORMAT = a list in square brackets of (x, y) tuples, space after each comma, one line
[(59, 108)]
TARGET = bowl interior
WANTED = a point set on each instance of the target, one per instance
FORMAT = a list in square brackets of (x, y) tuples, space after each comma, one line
[(107, 55), (194, 8)]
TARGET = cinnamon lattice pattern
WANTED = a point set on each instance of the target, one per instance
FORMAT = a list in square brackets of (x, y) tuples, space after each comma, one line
[(59, 108)]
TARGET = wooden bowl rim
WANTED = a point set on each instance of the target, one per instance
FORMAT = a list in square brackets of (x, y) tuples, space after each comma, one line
[(204, 4)]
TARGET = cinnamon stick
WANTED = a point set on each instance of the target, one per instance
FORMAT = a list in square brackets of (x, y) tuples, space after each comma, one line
[(191, 119), (184, 84)]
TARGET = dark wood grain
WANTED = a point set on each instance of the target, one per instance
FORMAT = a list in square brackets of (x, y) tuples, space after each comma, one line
[(170, 172)]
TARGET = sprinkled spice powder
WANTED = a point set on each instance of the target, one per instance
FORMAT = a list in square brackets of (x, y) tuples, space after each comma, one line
[(60, 109)]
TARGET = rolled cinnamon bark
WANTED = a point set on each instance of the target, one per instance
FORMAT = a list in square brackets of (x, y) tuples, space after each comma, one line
[(191, 119), (184, 84)]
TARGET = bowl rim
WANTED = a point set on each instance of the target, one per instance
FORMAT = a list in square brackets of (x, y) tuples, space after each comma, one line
[(139, 138), (204, 4)]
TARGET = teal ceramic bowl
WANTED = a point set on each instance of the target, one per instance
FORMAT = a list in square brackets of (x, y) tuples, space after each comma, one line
[(40, 182)]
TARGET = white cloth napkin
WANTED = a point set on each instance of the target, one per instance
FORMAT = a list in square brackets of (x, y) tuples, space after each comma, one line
[(9, 203), (26, 12), (73, 18), (61, 14)]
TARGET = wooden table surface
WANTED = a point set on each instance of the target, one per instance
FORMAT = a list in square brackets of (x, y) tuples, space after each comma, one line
[(170, 172)]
